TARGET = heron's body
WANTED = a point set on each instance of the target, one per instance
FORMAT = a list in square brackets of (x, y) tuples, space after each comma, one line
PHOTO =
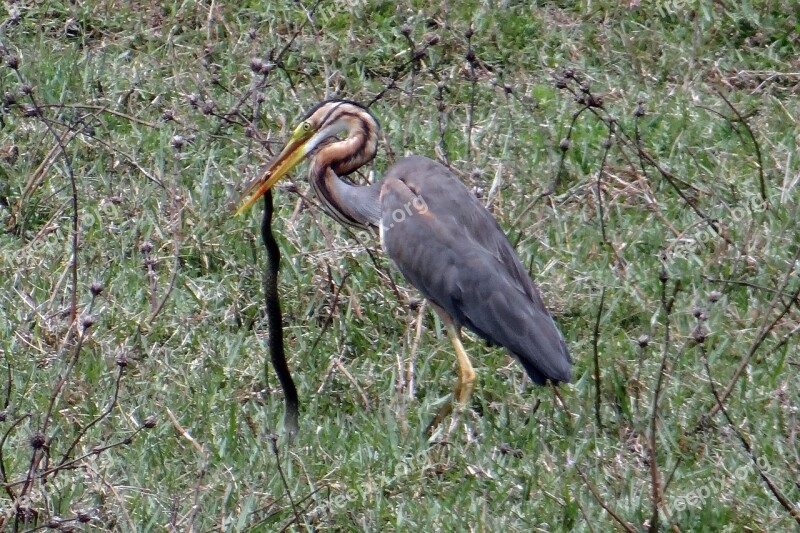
[(453, 251), (443, 241)]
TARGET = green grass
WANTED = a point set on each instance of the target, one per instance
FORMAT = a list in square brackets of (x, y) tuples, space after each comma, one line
[(163, 122)]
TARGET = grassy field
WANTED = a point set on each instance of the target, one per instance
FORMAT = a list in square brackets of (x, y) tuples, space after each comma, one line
[(643, 160)]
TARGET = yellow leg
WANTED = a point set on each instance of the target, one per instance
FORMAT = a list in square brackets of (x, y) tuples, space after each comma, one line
[(466, 375)]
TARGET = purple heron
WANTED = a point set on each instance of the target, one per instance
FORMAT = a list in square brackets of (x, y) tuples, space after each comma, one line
[(440, 237)]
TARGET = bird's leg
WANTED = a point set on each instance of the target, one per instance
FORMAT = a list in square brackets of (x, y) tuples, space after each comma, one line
[(466, 374)]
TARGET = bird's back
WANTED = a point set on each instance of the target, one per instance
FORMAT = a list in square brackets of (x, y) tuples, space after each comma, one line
[(450, 247)]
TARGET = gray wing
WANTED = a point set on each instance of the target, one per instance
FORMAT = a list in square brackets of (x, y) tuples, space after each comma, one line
[(449, 246)]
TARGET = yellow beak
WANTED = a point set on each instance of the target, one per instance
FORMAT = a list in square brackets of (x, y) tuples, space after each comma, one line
[(290, 156)]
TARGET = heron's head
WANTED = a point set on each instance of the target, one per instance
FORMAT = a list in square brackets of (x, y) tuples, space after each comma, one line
[(324, 121)]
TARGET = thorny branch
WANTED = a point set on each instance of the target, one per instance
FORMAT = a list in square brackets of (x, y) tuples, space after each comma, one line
[(782, 499), (763, 332)]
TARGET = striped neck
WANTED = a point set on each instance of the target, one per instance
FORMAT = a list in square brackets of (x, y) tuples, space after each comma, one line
[(331, 157)]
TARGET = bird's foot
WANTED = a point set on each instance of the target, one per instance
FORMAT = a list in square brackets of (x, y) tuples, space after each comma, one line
[(455, 405)]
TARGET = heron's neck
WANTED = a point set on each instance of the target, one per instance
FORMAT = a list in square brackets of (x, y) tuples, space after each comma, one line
[(352, 205)]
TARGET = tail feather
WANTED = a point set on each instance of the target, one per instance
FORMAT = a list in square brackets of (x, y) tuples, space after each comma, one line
[(509, 319)]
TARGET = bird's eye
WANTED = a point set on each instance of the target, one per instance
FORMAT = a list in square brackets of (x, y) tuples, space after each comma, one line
[(306, 126)]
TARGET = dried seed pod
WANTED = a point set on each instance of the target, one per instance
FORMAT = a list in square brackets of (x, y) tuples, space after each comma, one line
[(87, 322), (37, 440)]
